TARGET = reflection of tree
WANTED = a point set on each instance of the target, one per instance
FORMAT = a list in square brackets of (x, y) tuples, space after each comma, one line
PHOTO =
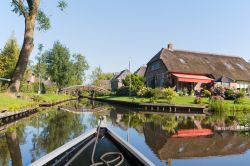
[(168, 123), (14, 148), (134, 120), (59, 128), (4, 152), (9, 145)]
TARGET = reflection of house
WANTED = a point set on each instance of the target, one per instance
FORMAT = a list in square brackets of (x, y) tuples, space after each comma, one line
[(226, 143), (192, 70), (141, 71), (116, 81)]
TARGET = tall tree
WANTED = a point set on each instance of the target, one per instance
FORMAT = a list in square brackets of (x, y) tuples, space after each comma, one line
[(32, 13), (8, 57), (135, 81), (97, 75), (58, 64), (79, 66)]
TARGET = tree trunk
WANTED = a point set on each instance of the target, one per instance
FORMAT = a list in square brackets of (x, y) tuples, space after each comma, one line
[(24, 55), (14, 148)]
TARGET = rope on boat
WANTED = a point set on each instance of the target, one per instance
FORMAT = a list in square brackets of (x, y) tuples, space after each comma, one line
[(119, 158)]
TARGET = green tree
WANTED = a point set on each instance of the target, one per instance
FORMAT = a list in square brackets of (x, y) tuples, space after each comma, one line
[(32, 13), (79, 67), (40, 67), (137, 82), (58, 64), (8, 57), (97, 75)]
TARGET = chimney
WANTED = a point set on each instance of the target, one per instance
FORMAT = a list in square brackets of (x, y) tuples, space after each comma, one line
[(170, 46)]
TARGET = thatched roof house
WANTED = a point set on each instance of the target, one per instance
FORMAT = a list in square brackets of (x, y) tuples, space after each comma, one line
[(169, 62), (141, 71), (116, 81)]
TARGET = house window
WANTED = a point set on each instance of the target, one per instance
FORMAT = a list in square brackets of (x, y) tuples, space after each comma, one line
[(155, 66)]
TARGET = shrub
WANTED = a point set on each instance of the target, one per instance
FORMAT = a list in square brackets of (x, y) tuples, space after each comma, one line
[(36, 98), (216, 98), (85, 93), (218, 91), (123, 91), (152, 100), (206, 93), (230, 94), (51, 89), (157, 93), (239, 100), (241, 94), (185, 91), (197, 100), (137, 82), (169, 94), (144, 92), (219, 105)]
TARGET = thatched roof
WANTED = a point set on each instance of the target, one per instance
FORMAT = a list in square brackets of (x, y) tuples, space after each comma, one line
[(121, 75), (141, 71), (181, 61)]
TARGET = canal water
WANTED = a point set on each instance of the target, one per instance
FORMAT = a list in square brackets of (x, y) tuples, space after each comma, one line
[(154, 134)]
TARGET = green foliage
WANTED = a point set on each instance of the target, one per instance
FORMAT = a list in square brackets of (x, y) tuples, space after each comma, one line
[(218, 91), (230, 94), (8, 57), (36, 98), (43, 21), (58, 64), (218, 105), (79, 67), (123, 91), (207, 93), (239, 100), (51, 89), (197, 100), (137, 82), (62, 5), (145, 92), (97, 75), (29, 88), (169, 94)]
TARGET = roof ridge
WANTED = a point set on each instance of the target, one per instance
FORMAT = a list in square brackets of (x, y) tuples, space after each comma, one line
[(208, 53)]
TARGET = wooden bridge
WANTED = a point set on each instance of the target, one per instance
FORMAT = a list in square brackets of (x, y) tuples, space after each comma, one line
[(76, 88)]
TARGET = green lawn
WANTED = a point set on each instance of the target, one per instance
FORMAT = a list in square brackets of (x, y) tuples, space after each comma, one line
[(14, 104), (9, 103), (182, 100), (49, 98)]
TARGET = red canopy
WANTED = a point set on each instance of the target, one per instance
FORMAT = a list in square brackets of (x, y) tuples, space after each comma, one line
[(192, 78)]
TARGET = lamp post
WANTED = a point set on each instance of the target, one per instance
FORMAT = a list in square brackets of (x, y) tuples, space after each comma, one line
[(129, 79)]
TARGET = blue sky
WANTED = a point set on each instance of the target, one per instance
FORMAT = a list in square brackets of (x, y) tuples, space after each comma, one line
[(109, 32)]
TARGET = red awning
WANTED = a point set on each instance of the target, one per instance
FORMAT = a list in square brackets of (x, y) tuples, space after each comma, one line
[(192, 78)]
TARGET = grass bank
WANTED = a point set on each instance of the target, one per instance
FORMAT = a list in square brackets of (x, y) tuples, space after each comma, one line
[(182, 100), (27, 100)]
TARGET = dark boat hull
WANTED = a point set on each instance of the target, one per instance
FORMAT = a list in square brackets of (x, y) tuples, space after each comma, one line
[(77, 151)]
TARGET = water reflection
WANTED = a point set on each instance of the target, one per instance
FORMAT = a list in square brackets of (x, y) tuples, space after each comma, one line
[(31, 138)]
